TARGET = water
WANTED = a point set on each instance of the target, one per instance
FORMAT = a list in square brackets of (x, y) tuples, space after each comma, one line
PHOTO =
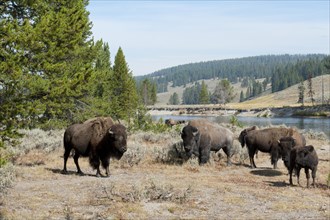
[(314, 124)]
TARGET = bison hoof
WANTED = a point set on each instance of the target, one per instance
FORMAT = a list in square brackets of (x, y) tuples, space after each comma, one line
[(80, 173), (64, 172), (99, 174)]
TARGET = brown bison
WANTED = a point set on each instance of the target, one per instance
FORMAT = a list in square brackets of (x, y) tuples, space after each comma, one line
[(202, 136), (171, 122), (297, 157), (99, 139), (263, 140)]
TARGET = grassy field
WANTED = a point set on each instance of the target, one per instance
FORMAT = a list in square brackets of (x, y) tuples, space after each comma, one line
[(154, 180)]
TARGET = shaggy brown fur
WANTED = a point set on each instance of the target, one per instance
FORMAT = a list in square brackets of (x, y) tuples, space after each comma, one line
[(99, 139), (202, 136), (171, 122), (263, 140), (297, 157)]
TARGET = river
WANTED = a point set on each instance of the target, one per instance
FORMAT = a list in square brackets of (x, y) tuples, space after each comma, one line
[(304, 123)]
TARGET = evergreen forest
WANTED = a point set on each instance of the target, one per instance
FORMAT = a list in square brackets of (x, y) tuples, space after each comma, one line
[(53, 73), (284, 70)]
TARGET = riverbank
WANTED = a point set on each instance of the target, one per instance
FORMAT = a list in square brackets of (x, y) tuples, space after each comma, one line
[(217, 110)]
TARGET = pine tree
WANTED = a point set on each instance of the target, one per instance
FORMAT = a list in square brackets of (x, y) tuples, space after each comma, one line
[(101, 77), (124, 98), (241, 97), (99, 85), (248, 93), (148, 92), (310, 91), (301, 89), (153, 94), (174, 99), (204, 97), (46, 60), (223, 92)]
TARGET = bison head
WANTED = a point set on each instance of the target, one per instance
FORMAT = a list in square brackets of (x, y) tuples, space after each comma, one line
[(190, 136), (285, 145), (118, 137), (242, 135)]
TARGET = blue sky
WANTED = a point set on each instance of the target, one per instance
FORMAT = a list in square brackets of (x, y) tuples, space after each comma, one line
[(158, 34)]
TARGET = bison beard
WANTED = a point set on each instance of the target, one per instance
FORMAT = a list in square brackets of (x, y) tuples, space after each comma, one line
[(98, 139), (103, 155)]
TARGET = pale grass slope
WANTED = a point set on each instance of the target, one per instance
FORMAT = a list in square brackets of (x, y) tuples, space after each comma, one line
[(287, 97)]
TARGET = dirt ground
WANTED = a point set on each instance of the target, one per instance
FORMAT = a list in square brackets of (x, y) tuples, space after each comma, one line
[(157, 190)]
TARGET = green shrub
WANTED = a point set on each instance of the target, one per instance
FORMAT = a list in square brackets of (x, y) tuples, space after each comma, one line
[(234, 121), (142, 121)]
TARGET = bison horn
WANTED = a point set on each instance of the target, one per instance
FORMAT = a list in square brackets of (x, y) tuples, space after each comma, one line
[(110, 132), (195, 133)]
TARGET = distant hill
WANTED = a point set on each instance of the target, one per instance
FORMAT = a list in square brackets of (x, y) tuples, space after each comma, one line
[(289, 96), (285, 97), (232, 69)]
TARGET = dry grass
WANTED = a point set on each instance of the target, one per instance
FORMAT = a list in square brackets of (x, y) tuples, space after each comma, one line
[(154, 180), (287, 97)]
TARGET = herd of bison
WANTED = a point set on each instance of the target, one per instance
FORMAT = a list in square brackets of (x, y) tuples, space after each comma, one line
[(100, 139)]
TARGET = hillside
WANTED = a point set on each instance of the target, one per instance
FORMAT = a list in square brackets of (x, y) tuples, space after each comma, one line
[(232, 69), (285, 97), (289, 96)]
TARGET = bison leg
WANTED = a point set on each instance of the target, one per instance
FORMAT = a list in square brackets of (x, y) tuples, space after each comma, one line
[(66, 156), (98, 172), (75, 158), (96, 165), (314, 175), (251, 155), (274, 157), (298, 174), (204, 155), (307, 176), (290, 171), (105, 165), (94, 161), (227, 151)]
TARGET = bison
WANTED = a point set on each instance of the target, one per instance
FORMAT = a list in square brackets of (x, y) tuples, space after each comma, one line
[(202, 136), (99, 139), (263, 140), (297, 157), (171, 122)]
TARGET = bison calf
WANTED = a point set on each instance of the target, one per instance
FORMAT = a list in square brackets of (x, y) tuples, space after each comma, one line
[(98, 139), (299, 157)]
